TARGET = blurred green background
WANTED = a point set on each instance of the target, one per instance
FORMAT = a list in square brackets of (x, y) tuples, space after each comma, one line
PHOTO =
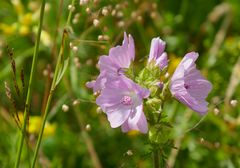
[(82, 136)]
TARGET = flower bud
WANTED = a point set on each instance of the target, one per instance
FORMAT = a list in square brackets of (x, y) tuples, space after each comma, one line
[(129, 152), (83, 2), (75, 49), (100, 37), (45, 72), (88, 127), (96, 22), (105, 11), (71, 45), (216, 111), (233, 103), (65, 108), (88, 10), (71, 8), (75, 102), (99, 110), (157, 53)]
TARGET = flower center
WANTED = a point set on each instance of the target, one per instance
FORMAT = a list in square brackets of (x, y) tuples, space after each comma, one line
[(186, 86), (126, 100), (120, 71)]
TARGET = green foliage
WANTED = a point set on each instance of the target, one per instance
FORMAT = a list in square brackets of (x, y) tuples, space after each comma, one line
[(208, 27)]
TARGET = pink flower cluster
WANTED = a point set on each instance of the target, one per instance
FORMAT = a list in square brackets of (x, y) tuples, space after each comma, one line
[(122, 99)]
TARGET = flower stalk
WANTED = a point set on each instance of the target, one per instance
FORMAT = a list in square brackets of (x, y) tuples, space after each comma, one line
[(29, 92)]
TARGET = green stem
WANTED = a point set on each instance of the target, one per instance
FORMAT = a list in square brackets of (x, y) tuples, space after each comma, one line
[(29, 93), (53, 86), (156, 162)]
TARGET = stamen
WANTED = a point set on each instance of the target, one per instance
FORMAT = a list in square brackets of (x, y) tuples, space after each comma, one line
[(126, 100)]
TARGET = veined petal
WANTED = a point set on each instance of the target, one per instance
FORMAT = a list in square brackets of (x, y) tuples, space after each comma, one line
[(157, 48), (136, 121), (106, 64), (162, 61), (189, 86), (118, 116), (199, 88), (191, 102)]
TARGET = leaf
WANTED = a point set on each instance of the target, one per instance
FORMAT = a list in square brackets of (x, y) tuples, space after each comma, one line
[(62, 71)]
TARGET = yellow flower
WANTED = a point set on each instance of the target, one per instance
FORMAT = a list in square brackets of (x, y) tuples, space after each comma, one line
[(174, 61), (50, 129), (24, 30), (8, 29), (26, 19), (133, 133), (45, 38), (35, 125), (18, 6)]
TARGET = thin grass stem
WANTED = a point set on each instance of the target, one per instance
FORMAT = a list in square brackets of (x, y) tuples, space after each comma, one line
[(53, 87), (29, 92)]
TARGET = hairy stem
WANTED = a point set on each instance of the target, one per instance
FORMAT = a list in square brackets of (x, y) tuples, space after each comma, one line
[(156, 162), (53, 87), (29, 92)]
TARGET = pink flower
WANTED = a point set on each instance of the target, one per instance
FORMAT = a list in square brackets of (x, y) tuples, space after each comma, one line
[(114, 65), (189, 86), (157, 53), (121, 100)]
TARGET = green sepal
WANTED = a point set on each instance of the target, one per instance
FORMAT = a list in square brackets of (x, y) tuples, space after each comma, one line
[(154, 103)]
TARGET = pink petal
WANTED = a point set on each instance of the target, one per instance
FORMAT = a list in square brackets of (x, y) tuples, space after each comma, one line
[(118, 116), (136, 121)]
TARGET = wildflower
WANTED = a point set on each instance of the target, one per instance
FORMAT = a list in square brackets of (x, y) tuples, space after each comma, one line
[(157, 53), (35, 123), (122, 100), (34, 126), (8, 29), (24, 30), (98, 84), (120, 57), (189, 86), (114, 65)]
